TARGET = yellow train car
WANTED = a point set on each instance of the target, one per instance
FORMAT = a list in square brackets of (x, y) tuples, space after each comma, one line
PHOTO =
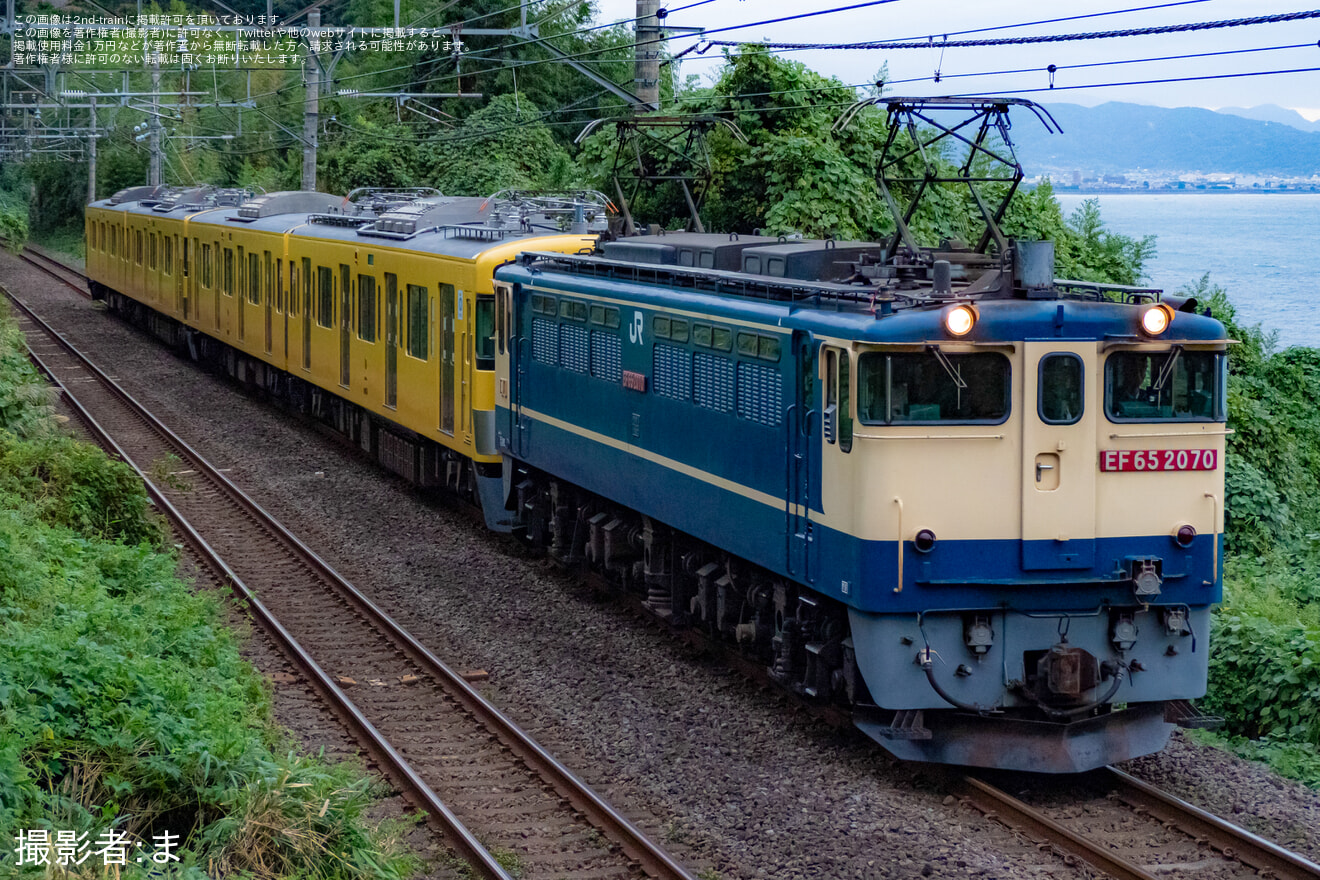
[(374, 311)]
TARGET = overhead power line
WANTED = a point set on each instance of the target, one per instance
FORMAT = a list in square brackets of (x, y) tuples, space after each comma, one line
[(937, 43)]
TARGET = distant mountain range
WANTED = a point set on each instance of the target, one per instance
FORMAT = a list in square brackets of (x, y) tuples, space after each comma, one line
[(1136, 139), (1273, 113)]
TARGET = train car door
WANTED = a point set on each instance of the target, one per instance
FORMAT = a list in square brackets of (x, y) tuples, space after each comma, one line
[(178, 272), (391, 339), (189, 274), (1059, 455), (307, 313), (285, 304), (270, 298), (447, 358), (345, 324), (216, 283), (798, 427)]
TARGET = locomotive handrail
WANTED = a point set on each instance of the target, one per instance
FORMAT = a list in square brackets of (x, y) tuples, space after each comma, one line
[(936, 437), (899, 502), (1224, 433), (1214, 534)]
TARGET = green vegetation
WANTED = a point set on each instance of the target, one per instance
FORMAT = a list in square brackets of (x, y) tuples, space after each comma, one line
[(1265, 656), (124, 704)]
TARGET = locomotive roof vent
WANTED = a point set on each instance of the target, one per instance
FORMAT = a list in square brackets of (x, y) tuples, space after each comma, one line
[(695, 249), (809, 260), (292, 202)]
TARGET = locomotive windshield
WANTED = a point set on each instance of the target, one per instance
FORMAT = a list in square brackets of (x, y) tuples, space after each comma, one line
[(1165, 386), (931, 386)]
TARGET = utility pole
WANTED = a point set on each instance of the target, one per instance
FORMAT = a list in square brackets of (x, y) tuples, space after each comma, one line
[(91, 157), (311, 106), (153, 177), (646, 81)]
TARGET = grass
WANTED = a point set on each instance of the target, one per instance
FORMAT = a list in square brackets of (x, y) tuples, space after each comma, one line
[(124, 702)]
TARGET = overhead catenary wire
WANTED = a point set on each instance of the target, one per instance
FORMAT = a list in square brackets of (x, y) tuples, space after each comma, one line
[(934, 41)]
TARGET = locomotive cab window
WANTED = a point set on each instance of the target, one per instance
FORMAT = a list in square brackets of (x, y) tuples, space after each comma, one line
[(1059, 390), (1166, 386), (931, 386)]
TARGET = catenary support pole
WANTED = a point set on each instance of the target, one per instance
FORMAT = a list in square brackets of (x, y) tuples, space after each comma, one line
[(311, 107)]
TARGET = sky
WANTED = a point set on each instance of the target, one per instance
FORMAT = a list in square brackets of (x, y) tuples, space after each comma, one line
[(967, 70)]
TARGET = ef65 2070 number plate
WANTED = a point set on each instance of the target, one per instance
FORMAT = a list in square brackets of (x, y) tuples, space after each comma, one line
[(1158, 460)]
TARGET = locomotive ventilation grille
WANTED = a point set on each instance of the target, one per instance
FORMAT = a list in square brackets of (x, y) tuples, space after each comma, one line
[(574, 353), (673, 372), (606, 356), (713, 385), (545, 341), (760, 394)]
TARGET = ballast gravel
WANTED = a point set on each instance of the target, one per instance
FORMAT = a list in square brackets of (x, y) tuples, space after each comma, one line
[(723, 774)]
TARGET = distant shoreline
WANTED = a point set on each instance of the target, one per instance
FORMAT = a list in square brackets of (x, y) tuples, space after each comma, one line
[(1236, 191)]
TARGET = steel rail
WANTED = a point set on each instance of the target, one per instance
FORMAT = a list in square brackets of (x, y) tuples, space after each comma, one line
[(649, 857), (1013, 813), (1232, 841)]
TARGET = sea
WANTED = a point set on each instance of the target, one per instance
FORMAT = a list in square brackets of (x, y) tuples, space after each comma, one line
[(1263, 248)]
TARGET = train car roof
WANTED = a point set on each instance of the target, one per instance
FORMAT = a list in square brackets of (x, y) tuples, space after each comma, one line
[(461, 227)]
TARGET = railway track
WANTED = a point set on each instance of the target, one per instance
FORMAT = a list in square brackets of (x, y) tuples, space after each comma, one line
[(1123, 828), (66, 275), (448, 750), (1130, 830)]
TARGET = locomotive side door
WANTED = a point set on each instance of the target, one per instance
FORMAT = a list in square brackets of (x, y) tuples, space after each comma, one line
[(799, 425), (1060, 409)]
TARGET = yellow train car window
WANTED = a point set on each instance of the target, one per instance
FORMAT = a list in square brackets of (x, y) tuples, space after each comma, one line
[(206, 265), (254, 279), (484, 333), (325, 297), (293, 287), (366, 328), (307, 284), (153, 254), (168, 255), (229, 272), (137, 246), (114, 241), (419, 321)]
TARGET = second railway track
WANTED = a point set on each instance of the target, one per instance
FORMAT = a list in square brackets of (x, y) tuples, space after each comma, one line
[(446, 747)]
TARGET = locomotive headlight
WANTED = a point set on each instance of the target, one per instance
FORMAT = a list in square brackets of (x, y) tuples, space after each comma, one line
[(960, 319), (1156, 319)]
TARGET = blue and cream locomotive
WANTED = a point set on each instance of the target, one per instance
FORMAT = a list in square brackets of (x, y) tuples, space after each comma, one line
[(985, 514)]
